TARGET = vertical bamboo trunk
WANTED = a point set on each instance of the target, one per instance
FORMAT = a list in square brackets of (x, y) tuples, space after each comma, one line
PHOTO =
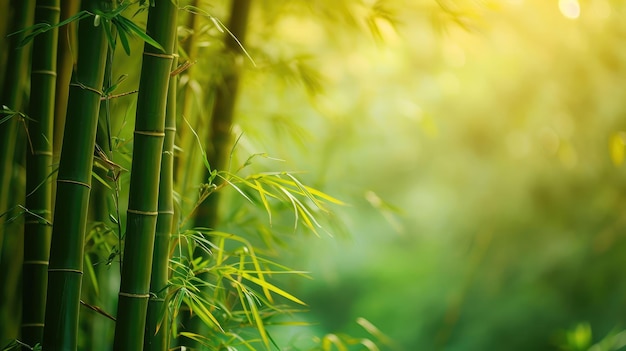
[(157, 321), (144, 182), (219, 136), (181, 163), (5, 15), (65, 63), (37, 226), (73, 186), (13, 91)]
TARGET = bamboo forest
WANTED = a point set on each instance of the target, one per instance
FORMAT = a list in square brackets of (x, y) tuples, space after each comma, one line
[(312, 175)]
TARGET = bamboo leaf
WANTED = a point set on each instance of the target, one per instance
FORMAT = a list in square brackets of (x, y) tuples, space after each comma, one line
[(238, 190), (266, 205), (332, 339), (313, 191), (132, 27), (109, 34), (202, 151), (256, 317), (121, 33), (101, 181), (202, 312), (44, 27), (92, 274), (306, 192), (274, 288)]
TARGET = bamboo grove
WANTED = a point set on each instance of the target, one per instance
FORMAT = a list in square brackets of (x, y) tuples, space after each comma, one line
[(120, 156)]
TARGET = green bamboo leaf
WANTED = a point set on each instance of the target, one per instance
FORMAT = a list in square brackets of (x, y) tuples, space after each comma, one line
[(91, 273), (101, 181), (123, 38), (238, 189), (314, 191), (132, 27), (262, 194), (114, 13), (202, 312), (271, 287), (202, 151), (196, 337), (254, 311), (306, 192), (369, 344), (109, 34), (332, 339), (39, 28), (246, 181), (300, 209)]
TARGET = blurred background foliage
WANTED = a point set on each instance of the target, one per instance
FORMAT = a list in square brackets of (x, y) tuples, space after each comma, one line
[(478, 145)]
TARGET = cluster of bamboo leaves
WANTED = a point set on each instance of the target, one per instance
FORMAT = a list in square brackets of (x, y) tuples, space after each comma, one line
[(143, 195)]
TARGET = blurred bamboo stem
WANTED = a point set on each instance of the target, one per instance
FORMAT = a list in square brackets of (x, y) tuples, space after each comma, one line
[(182, 176), (13, 92), (219, 137)]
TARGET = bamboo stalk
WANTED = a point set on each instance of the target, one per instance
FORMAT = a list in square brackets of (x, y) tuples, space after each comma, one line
[(220, 135), (185, 139), (38, 221), (144, 182), (65, 63), (13, 92), (157, 321), (74, 185)]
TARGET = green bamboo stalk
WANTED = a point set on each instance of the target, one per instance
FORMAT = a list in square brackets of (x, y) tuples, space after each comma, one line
[(38, 222), (185, 139), (157, 321), (13, 92), (65, 62), (5, 10), (219, 136), (74, 185), (144, 181)]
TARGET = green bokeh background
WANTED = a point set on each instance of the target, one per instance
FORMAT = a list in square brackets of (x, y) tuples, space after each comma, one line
[(478, 145)]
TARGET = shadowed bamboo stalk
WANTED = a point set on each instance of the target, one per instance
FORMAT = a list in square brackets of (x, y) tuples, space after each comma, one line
[(157, 320), (38, 226), (65, 63), (144, 182), (12, 96), (13, 93), (73, 186)]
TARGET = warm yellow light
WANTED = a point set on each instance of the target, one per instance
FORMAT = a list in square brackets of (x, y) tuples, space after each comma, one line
[(569, 8)]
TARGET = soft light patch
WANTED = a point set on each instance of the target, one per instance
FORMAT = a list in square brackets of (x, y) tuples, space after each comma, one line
[(569, 8)]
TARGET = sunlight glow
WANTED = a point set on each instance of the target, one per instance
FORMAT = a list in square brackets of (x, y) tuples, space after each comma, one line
[(569, 8)]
